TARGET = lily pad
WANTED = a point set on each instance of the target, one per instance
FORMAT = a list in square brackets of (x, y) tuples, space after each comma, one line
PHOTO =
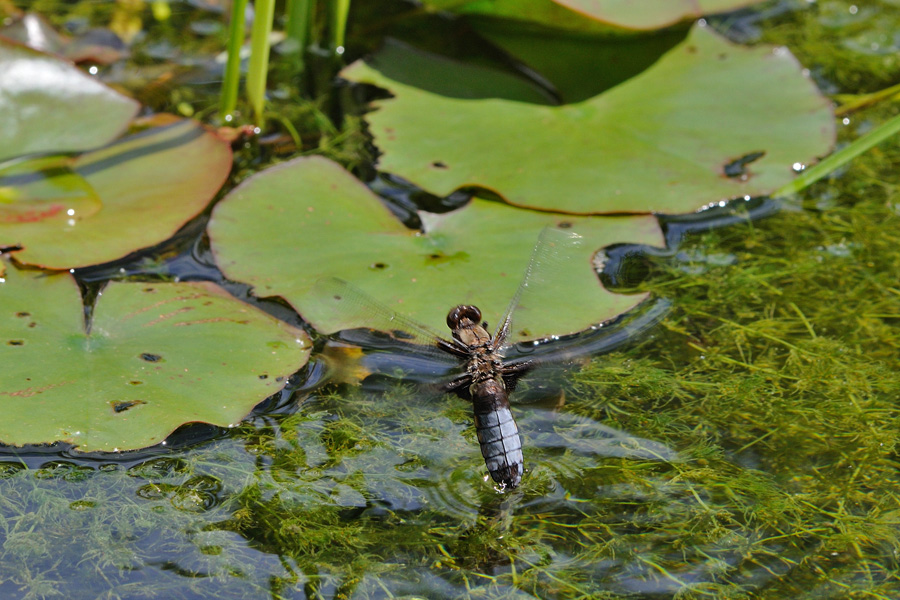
[(150, 184), (579, 65), (48, 105), (650, 14), (709, 122), (285, 228), (440, 75), (154, 357), (100, 46), (592, 15), (44, 188)]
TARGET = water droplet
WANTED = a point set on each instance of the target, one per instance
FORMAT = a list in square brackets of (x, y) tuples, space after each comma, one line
[(93, 70)]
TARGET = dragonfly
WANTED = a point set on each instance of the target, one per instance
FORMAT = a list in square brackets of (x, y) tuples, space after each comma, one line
[(487, 378)]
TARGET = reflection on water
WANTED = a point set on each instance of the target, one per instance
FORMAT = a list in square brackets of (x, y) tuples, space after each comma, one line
[(372, 494)]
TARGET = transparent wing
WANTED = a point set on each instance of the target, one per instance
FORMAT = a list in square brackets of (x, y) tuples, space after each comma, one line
[(335, 301), (553, 248)]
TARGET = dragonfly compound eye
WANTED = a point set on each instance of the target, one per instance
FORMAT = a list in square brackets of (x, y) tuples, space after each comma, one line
[(461, 312)]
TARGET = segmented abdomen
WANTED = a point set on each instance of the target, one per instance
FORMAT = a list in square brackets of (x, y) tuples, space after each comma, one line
[(498, 435)]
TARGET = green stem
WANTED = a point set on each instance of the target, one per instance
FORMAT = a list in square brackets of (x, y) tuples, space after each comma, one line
[(841, 157), (339, 11), (231, 82), (258, 67), (856, 102), (299, 21)]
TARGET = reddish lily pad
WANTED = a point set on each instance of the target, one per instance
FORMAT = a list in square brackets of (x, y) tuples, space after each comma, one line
[(44, 188), (709, 122), (285, 228), (48, 105), (150, 184), (156, 356)]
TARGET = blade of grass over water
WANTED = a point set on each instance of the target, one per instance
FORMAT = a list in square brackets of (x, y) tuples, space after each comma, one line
[(855, 102), (841, 157), (258, 68), (231, 82)]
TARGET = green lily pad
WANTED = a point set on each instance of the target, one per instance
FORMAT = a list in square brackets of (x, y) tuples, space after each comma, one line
[(709, 122), (592, 15), (48, 105), (150, 184), (156, 356), (440, 75), (285, 228), (650, 14), (579, 65)]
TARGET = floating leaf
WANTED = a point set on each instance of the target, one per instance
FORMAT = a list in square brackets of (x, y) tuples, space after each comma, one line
[(588, 15), (156, 356), (150, 184), (579, 65), (650, 14), (44, 188), (287, 227), (48, 105), (96, 45), (665, 141), (439, 75)]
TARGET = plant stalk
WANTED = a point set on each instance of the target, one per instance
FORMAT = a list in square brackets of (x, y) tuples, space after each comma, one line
[(257, 69), (339, 11), (232, 79), (299, 22), (838, 159)]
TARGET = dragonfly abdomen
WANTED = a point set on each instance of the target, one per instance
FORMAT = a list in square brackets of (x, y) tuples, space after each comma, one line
[(497, 432)]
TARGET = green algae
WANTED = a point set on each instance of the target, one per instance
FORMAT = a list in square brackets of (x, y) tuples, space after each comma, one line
[(770, 391)]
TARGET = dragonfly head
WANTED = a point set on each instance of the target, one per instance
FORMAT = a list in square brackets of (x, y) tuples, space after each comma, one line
[(463, 316)]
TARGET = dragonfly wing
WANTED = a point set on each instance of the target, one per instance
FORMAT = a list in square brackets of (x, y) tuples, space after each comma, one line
[(335, 301), (554, 247)]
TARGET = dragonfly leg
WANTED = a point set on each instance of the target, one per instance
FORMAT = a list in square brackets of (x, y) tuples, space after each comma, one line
[(454, 348), (512, 373), (458, 384)]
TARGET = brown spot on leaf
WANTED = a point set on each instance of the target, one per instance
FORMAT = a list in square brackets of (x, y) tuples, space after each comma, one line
[(125, 405), (737, 168)]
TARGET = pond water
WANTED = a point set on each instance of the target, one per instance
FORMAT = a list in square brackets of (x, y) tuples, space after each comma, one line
[(744, 446)]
